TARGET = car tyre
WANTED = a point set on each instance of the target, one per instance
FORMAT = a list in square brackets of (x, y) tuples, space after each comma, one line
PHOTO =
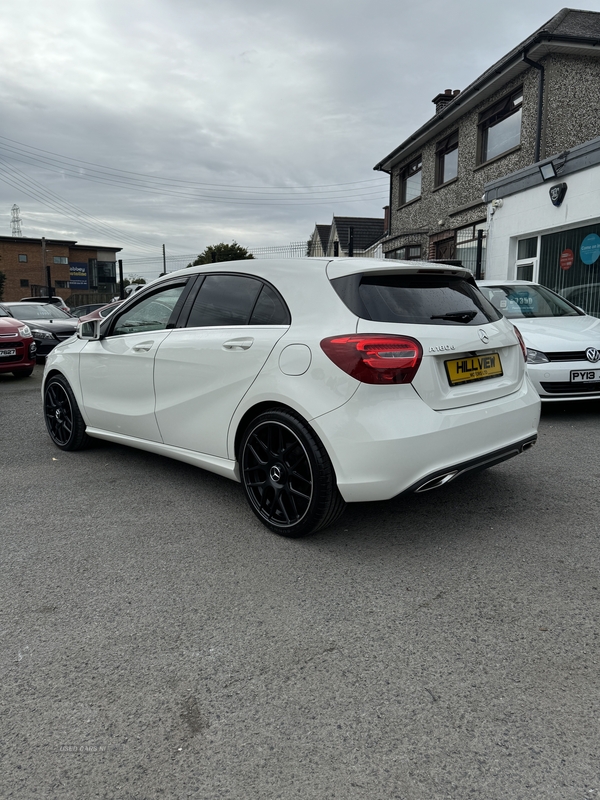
[(287, 476), (62, 416), (23, 373)]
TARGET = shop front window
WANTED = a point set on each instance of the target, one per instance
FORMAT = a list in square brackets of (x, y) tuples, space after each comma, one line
[(570, 264)]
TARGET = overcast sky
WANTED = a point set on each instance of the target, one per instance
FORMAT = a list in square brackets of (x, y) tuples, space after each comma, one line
[(138, 123)]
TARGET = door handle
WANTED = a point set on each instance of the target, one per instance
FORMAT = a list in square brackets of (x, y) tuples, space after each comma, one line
[(142, 347), (238, 344)]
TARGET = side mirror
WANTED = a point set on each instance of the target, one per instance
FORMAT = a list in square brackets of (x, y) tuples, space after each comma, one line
[(89, 330)]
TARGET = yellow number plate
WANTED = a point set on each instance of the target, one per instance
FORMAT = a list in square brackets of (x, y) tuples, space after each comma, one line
[(473, 368)]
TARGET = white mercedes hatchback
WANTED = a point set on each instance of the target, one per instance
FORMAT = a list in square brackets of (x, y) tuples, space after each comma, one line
[(314, 382)]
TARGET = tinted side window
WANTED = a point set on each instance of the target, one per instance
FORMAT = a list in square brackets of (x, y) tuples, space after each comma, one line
[(269, 309), (150, 314), (416, 299), (224, 300)]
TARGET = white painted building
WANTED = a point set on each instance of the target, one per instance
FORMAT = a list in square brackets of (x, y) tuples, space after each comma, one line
[(546, 228)]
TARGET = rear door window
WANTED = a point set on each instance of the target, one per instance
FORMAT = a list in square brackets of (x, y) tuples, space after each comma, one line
[(227, 299), (416, 299)]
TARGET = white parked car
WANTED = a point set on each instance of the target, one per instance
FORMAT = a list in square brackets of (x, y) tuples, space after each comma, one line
[(563, 342), (585, 296), (314, 382)]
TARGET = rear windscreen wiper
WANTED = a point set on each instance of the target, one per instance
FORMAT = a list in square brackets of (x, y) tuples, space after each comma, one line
[(456, 316)]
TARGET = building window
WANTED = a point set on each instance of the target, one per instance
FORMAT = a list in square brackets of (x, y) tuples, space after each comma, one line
[(22, 258), (411, 252), (500, 126), (446, 159), (61, 260), (527, 248), (410, 181), (24, 283), (61, 284), (525, 272)]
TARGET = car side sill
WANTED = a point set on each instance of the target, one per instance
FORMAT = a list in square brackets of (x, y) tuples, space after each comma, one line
[(220, 466)]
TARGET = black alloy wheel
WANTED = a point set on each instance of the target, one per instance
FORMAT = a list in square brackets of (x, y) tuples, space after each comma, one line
[(62, 416), (287, 476)]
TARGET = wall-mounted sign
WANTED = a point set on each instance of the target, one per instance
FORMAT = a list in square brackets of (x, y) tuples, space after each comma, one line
[(557, 193), (567, 257), (79, 276), (589, 252)]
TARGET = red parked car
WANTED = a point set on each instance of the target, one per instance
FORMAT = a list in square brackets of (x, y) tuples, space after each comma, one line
[(101, 312), (17, 346)]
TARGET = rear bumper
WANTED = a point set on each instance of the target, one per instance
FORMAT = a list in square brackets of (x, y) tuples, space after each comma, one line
[(444, 476), (386, 441)]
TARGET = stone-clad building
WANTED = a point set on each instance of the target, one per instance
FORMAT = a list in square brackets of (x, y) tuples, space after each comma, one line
[(537, 101)]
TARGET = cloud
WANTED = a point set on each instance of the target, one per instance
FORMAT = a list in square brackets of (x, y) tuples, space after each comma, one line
[(207, 119)]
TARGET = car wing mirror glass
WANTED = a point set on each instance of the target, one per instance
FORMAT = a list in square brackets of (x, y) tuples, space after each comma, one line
[(89, 330)]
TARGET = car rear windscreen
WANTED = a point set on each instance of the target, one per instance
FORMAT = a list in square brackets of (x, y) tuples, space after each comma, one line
[(421, 299)]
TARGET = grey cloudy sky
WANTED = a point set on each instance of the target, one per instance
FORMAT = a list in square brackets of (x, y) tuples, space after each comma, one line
[(135, 123)]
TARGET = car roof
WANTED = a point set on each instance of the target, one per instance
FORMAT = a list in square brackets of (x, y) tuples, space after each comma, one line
[(501, 282), (20, 303), (286, 269)]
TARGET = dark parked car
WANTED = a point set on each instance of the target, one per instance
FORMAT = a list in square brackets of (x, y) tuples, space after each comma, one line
[(81, 311), (56, 301), (49, 325), (17, 346)]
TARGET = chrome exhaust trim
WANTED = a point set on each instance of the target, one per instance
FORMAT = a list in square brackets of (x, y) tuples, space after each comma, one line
[(435, 483), (527, 446)]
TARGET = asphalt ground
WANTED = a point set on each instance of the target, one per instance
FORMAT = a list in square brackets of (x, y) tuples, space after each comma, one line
[(158, 642)]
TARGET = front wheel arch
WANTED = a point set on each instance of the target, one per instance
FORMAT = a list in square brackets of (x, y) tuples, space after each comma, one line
[(64, 423)]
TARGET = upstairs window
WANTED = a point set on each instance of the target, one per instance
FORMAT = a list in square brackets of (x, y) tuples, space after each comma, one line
[(61, 260), (446, 159), (410, 181), (22, 258), (500, 126)]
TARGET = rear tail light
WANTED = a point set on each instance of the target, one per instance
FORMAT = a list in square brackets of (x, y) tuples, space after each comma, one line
[(521, 342), (375, 359)]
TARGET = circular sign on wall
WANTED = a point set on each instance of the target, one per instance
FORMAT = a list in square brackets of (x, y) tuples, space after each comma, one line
[(566, 259), (589, 251)]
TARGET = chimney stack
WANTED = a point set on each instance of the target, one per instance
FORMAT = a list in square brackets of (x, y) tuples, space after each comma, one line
[(444, 98)]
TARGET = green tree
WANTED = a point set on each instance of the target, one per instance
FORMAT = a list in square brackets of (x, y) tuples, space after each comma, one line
[(2, 282), (222, 252), (133, 279)]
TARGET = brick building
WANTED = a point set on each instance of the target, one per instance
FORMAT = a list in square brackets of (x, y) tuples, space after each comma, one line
[(83, 270)]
